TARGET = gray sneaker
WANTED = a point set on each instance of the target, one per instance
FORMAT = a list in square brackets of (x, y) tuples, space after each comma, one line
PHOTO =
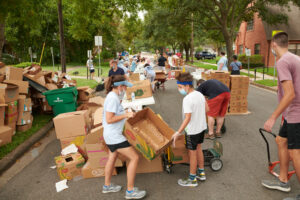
[(188, 182), (277, 185), (136, 194), (291, 198), (201, 176), (111, 188)]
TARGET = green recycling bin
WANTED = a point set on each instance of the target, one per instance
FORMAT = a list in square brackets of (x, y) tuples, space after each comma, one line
[(62, 100)]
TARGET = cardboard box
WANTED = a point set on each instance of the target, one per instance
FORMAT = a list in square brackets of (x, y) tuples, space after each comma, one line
[(12, 126), (90, 172), (84, 93), (238, 97), (97, 150), (23, 85), (206, 76), (2, 78), (69, 166), (13, 73), (134, 77), (173, 74), (24, 104), (79, 141), (160, 75), (239, 103), (98, 100), (148, 133), (10, 92), (141, 89), (97, 116), (238, 109), (72, 124), (219, 74), (240, 92), (144, 166), (51, 86), (6, 134), (2, 114), (33, 69), (11, 112), (24, 118), (179, 154), (25, 127)]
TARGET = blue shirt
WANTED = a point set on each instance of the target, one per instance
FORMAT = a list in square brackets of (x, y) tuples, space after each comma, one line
[(113, 133), (133, 66), (236, 65), (225, 62), (150, 70)]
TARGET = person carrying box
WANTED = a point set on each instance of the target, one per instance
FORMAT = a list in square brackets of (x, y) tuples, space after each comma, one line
[(150, 74), (194, 126), (113, 123)]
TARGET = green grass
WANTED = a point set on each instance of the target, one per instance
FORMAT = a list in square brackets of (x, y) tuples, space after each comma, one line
[(246, 74), (269, 71), (202, 65), (82, 70), (267, 82), (39, 121), (84, 82)]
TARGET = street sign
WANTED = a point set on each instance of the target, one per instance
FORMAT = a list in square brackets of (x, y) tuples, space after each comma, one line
[(233, 47), (98, 40), (34, 55), (51, 49), (89, 53), (29, 51), (248, 52)]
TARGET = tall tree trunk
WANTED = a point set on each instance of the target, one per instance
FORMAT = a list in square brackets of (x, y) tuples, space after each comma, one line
[(229, 41), (61, 34), (187, 52), (2, 37), (192, 39)]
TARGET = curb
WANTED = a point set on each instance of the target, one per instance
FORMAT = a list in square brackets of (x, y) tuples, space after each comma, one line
[(263, 86), (12, 157)]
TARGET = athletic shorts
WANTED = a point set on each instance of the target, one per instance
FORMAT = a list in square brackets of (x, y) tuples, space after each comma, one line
[(292, 133), (192, 141), (218, 105), (92, 70), (114, 147)]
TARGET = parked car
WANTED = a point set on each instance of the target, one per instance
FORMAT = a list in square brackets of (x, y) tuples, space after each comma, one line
[(204, 55)]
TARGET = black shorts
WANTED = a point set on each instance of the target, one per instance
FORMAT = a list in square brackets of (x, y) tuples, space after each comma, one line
[(192, 141), (92, 70), (114, 147), (292, 133), (235, 72)]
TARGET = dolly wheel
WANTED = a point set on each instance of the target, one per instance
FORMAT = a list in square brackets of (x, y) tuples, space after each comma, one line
[(216, 164), (168, 169)]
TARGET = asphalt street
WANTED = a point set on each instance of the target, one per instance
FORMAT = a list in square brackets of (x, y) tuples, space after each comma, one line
[(244, 159)]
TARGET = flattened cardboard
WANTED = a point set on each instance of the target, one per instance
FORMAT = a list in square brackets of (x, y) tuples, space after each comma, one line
[(23, 85), (141, 89), (72, 124), (51, 86), (69, 166), (144, 166), (13, 73), (90, 172), (141, 143), (33, 69), (6, 134), (98, 100), (84, 93), (97, 116), (10, 92), (160, 75)]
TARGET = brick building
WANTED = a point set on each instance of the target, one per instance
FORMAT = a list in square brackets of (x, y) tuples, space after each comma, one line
[(257, 34)]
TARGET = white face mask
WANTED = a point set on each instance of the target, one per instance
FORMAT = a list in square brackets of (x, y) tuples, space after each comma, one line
[(121, 94), (273, 52)]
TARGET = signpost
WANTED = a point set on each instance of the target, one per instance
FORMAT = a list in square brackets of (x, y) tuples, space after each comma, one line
[(248, 54), (51, 49), (89, 54), (30, 53), (98, 43)]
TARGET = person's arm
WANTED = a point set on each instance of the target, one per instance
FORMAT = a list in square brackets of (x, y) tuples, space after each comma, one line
[(112, 118), (186, 121), (289, 95), (206, 107), (221, 66)]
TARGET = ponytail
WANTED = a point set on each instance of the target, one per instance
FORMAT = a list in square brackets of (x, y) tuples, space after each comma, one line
[(111, 80)]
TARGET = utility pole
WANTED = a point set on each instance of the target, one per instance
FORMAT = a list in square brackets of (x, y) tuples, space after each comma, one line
[(192, 39), (61, 35)]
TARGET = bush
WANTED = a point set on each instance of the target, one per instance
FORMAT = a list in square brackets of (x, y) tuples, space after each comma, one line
[(255, 61), (25, 64)]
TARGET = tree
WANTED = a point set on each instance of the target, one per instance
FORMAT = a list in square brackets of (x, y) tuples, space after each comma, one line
[(62, 37)]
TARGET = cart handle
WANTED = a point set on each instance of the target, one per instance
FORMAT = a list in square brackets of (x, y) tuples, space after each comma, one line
[(261, 130)]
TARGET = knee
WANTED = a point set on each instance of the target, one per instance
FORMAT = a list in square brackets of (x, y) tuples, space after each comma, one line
[(135, 157), (294, 154)]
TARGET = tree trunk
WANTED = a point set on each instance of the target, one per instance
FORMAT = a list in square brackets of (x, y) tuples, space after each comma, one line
[(61, 34), (187, 52), (2, 37), (229, 41), (192, 40)]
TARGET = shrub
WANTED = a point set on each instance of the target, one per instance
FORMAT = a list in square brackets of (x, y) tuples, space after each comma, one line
[(25, 64), (255, 61)]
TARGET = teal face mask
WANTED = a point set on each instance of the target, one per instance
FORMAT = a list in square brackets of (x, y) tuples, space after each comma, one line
[(182, 92)]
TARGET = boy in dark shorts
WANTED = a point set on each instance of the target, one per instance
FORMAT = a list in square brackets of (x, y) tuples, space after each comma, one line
[(193, 126), (288, 141)]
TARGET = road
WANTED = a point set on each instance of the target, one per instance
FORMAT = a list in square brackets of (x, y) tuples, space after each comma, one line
[(245, 163)]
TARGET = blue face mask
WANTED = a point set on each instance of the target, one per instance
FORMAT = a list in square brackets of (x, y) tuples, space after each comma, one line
[(182, 92)]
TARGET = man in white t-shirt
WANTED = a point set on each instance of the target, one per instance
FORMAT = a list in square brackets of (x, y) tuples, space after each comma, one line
[(90, 65), (194, 125)]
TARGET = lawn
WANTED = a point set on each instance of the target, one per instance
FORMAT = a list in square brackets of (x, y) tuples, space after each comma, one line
[(84, 82), (202, 65), (39, 121), (267, 82), (246, 74), (269, 71), (81, 71)]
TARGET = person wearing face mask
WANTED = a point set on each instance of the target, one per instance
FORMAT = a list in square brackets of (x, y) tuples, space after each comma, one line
[(114, 118), (218, 96), (115, 70), (194, 125)]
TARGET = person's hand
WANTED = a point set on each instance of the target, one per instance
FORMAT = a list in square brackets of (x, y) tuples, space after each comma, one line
[(174, 137), (269, 124), (130, 114)]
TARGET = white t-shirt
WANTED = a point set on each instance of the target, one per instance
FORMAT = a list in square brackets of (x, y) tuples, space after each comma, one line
[(194, 103), (89, 63)]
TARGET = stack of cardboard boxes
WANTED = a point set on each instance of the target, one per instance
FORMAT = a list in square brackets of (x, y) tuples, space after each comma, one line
[(239, 92), (25, 118), (221, 76)]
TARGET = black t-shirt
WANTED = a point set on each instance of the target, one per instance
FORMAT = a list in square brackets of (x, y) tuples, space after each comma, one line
[(212, 88), (161, 61), (118, 72)]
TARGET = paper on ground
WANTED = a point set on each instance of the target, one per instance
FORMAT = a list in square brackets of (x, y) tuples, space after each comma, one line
[(53, 167), (69, 149), (61, 185)]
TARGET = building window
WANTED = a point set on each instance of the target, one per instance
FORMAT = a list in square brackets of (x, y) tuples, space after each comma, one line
[(241, 49), (250, 25), (257, 49), (295, 49)]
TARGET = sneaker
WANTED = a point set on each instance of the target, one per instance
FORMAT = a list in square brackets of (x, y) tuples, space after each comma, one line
[(111, 188), (276, 185), (211, 137), (188, 182), (201, 176), (218, 135), (136, 194), (292, 198)]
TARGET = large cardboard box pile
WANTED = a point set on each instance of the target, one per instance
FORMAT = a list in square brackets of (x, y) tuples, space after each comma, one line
[(141, 89), (239, 91), (25, 118), (221, 76), (84, 93), (6, 134), (148, 133)]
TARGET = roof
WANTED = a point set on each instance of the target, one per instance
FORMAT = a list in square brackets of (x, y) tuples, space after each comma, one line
[(292, 27)]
